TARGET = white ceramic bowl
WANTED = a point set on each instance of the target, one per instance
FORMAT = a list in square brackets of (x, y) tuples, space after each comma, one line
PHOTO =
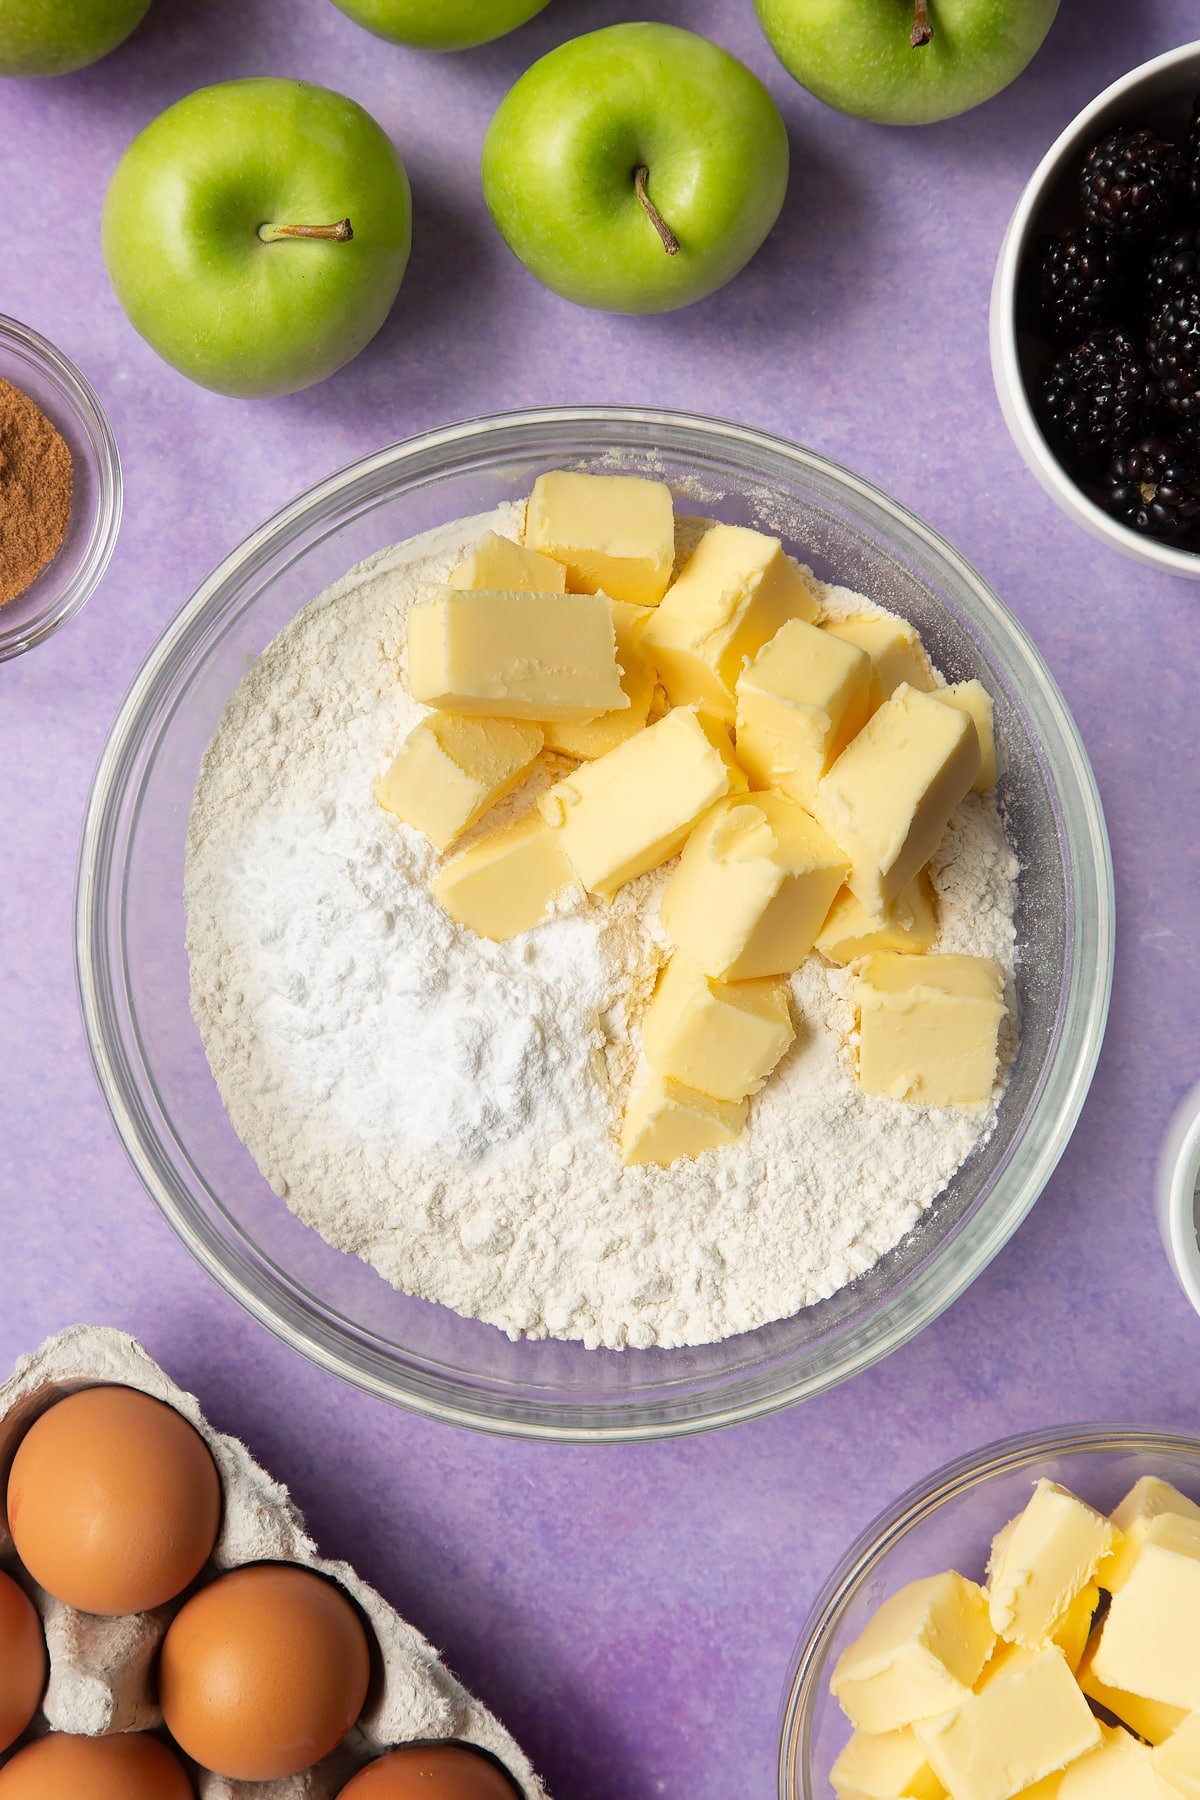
[(1159, 94)]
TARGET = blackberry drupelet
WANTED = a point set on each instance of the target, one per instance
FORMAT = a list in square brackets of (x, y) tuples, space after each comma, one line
[(1174, 260), (1133, 184), (1173, 345), (1094, 397), (1079, 283), (1153, 486)]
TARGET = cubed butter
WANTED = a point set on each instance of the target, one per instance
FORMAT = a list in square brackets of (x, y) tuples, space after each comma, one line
[(734, 593), (614, 534), (752, 889), (449, 770), (928, 1028), (894, 647), (1146, 1500), (1177, 1760), (1074, 1629), (637, 684), (1023, 1727), (665, 1120), (918, 1656), (890, 1766), (514, 655), (720, 1037), (506, 567), (889, 796), (909, 928), (1150, 1641), (503, 884), (799, 703), (973, 698), (631, 809), (1118, 1768), (1151, 1719), (1045, 1561)]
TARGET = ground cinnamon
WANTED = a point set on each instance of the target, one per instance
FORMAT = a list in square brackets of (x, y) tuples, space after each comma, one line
[(35, 491)]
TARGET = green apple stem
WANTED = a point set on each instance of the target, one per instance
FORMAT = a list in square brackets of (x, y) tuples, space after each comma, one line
[(670, 242), (922, 30), (341, 233)]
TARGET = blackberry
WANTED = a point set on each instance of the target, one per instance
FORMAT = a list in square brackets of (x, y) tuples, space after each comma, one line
[(1174, 260), (1192, 154), (1095, 396), (1133, 184), (1153, 486), (1173, 345), (1079, 283)]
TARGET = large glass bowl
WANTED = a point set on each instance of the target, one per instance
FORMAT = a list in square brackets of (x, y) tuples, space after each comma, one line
[(133, 969), (948, 1522)]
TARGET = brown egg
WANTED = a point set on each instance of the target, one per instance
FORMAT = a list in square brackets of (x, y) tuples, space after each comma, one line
[(264, 1672), (431, 1772), (108, 1768), (22, 1661), (113, 1501)]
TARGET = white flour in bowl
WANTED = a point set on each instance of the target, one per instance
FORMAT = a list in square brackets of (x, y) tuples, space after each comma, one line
[(446, 1107)]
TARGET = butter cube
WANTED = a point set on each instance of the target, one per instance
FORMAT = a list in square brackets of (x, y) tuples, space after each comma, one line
[(631, 809), (1119, 1768), (1150, 1641), (665, 1120), (799, 703), (1074, 1629), (614, 534), (890, 1766), (918, 1655), (505, 567), (1177, 1761), (896, 652), (449, 770), (1151, 1719), (753, 887), (637, 684), (503, 884), (735, 591), (909, 927), (514, 655), (889, 796), (1044, 1562), (1021, 1728), (928, 1028), (721, 1037), (1147, 1499), (973, 698)]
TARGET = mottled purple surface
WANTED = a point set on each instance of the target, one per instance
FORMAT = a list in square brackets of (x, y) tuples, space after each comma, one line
[(629, 1611)]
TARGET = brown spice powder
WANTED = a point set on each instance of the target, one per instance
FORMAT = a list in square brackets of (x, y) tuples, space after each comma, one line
[(35, 491)]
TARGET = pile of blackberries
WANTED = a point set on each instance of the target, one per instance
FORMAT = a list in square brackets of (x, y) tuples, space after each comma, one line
[(1119, 296)]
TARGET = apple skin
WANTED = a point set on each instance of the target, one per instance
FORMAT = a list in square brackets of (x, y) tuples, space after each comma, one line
[(55, 37), (560, 155), (180, 234), (448, 25), (856, 54)]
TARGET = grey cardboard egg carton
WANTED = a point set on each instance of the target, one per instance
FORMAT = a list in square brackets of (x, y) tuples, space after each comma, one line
[(102, 1670)]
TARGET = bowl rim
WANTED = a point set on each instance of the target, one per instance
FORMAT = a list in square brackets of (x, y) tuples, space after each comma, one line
[(92, 420), (924, 1497), (322, 1336), (1007, 376)]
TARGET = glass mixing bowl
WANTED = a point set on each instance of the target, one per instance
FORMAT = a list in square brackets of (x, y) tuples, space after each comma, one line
[(948, 1522), (133, 971)]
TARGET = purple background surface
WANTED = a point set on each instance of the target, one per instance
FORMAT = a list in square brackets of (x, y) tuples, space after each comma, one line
[(630, 1612)]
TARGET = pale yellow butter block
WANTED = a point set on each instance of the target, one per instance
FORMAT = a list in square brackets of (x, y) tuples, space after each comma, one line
[(910, 926), (919, 1655), (1118, 1768), (1074, 1629), (890, 1766), (665, 1120), (894, 647), (614, 534), (638, 682), (1177, 1760), (720, 1037), (752, 889), (1027, 1725), (449, 770), (734, 593), (498, 563), (503, 884), (889, 796), (514, 655), (928, 1028), (973, 698), (630, 810), (1150, 1641), (799, 703), (1151, 1719), (1045, 1561), (1146, 1500)]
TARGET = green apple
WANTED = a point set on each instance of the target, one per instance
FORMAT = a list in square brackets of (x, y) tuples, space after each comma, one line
[(447, 25), (256, 234), (53, 37), (905, 62), (636, 169)]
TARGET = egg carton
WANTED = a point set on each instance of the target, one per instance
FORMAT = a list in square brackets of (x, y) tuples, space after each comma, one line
[(102, 1670)]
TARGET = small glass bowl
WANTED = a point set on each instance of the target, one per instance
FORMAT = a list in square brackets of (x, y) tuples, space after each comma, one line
[(30, 362), (948, 1522)]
